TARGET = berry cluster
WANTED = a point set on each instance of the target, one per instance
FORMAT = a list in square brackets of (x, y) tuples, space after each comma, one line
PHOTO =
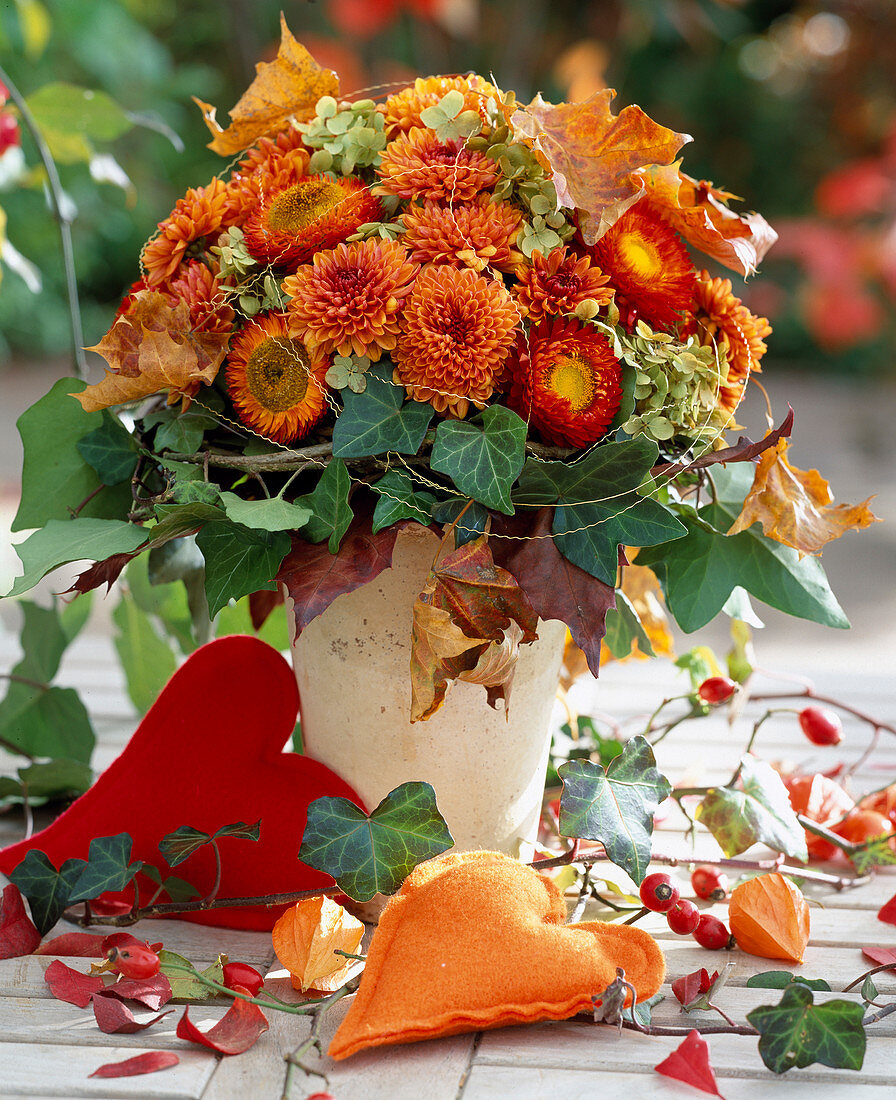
[(660, 894)]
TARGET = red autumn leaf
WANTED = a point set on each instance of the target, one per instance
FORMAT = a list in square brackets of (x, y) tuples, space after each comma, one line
[(109, 907), (152, 992), (555, 587), (881, 956), (689, 987), (86, 945), (115, 1018), (236, 1031), (261, 604), (689, 1062), (18, 936), (150, 1062), (104, 572), (887, 912), (71, 985), (314, 577)]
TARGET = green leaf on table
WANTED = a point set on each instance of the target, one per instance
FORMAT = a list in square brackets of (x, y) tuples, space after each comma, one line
[(760, 813), (55, 778), (597, 507), (374, 854), (275, 514), (781, 979), (483, 456), (615, 805), (238, 560), (177, 889), (148, 662), (184, 987), (55, 478), (43, 721), (643, 1010), (399, 499), (797, 1032), (108, 868), (64, 541), (869, 990), (182, 843), (331, 514), (700, 571), (111, 450), (46, 889), (379, 419), (624, 629)]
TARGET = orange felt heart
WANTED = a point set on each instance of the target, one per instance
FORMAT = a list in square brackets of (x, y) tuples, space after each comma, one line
[(476, 940)]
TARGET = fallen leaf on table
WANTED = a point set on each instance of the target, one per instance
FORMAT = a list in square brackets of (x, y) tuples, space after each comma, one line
[(236, 1031), (887, 911), (689, 987), (71, 985), (881, 956), (689, 1062), (86, 945), (18, 935), (152, 992), (306, 938), (115, 1018), (150, 1062)]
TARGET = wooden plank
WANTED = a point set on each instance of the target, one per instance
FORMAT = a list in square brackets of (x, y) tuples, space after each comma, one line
[(57, 1070)]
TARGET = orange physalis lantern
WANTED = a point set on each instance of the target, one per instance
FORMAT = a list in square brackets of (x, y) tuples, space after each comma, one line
[(769, 917), (307, 937)]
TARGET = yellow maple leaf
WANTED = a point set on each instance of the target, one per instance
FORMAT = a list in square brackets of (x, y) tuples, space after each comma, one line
[(287, 87), (153, 348), (307, 937), (795, 506), (594, 154)]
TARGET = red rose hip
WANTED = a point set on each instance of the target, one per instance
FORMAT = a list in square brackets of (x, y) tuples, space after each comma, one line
[(709, 883), (683, 917), (716, 689), (658, 893), (821, 726), (711, 933)]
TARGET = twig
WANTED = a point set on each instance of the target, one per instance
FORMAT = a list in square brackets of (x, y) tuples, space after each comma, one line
[(123, 920), (879, 1015), (294, 1058), (869, 973)]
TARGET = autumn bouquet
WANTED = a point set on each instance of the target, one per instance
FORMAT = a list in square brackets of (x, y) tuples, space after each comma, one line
[(447, 308)]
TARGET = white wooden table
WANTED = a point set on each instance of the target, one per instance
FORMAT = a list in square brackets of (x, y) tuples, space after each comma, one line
[(48, 1048)]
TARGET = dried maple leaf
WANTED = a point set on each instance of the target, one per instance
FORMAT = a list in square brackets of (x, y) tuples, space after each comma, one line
[(287, 87), (307, 937), (699, 212), (440, 652), (794, 506), (153, 348), (594, 154)]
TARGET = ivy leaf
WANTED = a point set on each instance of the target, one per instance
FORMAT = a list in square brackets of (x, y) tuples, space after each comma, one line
[(111, 450), (483, 456), (379, 419), (615, 806), (55, 778), (331, 514), (238, 560), (148, 662), (624, 629), (177, 970), (781, 979), (45, 721), (399, 499), (182, 843), (177, 889), (374, 854), (759, 813), (46, 889), (797, 1032), (108, 868), (275, 514), (475, 521), (239, 830)]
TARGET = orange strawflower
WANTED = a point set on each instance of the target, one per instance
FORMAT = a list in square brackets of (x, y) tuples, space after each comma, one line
[(290, 223), (457, 331), (419, 166), (276, 383), (648, 266), (565, 382), (402, 111), (349, 299), (271, 165), (206, 297), (557, 283), (720, 318), (479, 234), (202, 211)]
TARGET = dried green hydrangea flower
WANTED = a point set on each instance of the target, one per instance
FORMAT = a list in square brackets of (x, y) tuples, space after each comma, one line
[(344, 139), (348, 371), (233, 256)]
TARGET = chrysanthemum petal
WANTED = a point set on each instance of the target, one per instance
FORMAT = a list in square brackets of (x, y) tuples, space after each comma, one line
[(418, 166)]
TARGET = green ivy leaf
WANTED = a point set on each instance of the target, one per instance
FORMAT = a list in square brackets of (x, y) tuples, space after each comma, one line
[(616, 805), (483, 456), (147, 661), (238, 561), (184, 987), (181, 433), (399, 499), (797, 1032), (379, 419), (781, 979), (239, 830), (110, 449), (331, 514), (43, 641), (369, 855), (177, 889), (182, 843), (470, 527), (275, 514), (624, 628), (108, 868), (55, 778), (46, 889), (46, 722), (760, 813)]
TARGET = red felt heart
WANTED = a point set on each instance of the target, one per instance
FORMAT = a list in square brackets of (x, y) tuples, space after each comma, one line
[(209, 753)]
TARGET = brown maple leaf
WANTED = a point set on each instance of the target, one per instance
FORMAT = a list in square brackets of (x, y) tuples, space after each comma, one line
[(285, 88), (594, 154), (153, 348), (795, 507)]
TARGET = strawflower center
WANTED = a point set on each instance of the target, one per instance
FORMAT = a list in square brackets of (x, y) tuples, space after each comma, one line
[(300, 206), (277, 374), (571, 378), (641, 256)]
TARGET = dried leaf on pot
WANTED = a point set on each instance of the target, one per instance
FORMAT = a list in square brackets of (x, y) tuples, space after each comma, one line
[(307, 937), (769, 917)]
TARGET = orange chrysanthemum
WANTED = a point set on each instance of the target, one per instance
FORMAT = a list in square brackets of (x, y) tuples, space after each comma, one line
[(349, 299), (457, 331), (648, 265), (419, 166), (206, 299), (565, 381), (557, 283), (203, 210), (479, 234), (402, 111), (275, 382), (721, 319), (311, 213)]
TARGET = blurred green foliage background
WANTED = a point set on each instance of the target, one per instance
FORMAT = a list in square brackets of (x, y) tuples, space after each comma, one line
[(791, 104)]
